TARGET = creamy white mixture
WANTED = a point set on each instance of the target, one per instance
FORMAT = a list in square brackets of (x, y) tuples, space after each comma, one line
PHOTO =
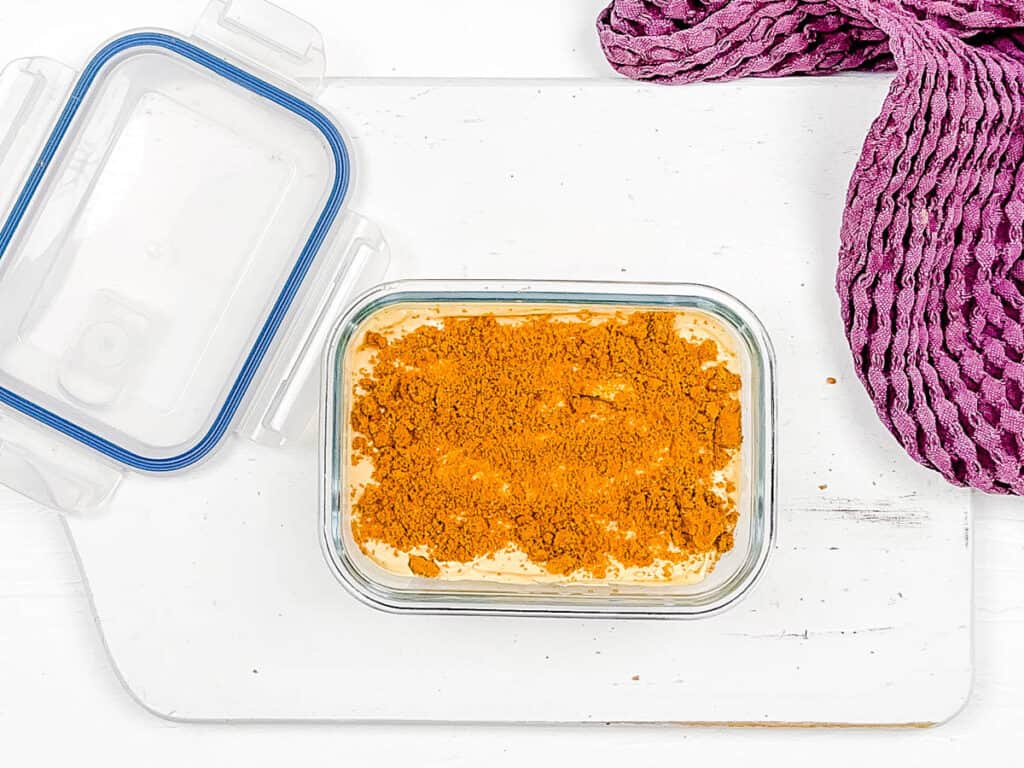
[(512, 565)]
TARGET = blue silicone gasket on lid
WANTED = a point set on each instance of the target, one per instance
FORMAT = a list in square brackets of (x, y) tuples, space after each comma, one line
[(273, 322)]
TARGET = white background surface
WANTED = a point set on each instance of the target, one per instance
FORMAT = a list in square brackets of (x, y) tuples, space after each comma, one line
[(59, 699), (452, 175)]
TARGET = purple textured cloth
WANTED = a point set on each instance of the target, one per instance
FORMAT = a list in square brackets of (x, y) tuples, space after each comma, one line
[(931, 274)]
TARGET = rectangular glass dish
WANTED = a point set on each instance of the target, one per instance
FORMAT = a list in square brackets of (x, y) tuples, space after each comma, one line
[(467, 590)]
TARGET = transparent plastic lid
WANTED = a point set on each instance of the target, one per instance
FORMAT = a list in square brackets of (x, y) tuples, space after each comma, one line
[(155, 245)]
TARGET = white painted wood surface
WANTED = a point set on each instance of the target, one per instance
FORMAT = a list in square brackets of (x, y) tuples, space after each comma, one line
[(863, 616), (53, 671)]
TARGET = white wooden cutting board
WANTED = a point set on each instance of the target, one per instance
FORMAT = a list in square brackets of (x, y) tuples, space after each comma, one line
[(211, 590)]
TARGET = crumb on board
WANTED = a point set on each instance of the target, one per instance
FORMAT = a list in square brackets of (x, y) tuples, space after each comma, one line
[(823, 486), (635, 677), (830, 379)]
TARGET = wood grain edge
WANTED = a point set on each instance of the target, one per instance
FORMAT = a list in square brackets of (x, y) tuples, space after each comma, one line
[(796, 724)]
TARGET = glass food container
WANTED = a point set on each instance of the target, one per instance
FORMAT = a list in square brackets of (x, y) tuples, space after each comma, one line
[(736, 571)]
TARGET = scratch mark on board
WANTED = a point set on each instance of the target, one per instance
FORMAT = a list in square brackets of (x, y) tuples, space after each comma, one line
[(899, 512), (898, 518), (808, 634), (420, 94)]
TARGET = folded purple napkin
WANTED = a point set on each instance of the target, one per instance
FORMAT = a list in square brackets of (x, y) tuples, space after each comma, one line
[(931, 275)]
